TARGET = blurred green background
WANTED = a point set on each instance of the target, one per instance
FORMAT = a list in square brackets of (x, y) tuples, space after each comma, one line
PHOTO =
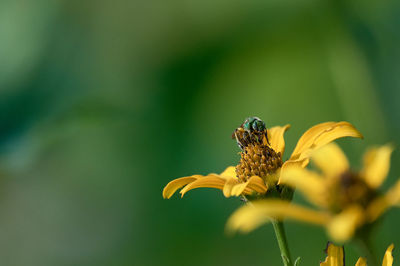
[(104, 102)]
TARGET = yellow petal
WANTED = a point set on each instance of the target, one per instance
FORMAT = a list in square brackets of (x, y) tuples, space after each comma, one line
[(276, 139), (254, 184), (229, 172), (361, 262), (300, 163), (382, 203), (312, 185), (388, 258), (335, 256), (229, 185), (249, 217), (331, 160), (257, 184), (176, 184), (210, 181), (322, 134), (306, 140), (376, 165), (393, 194), (238, 189), (343, 225), (290, 164)]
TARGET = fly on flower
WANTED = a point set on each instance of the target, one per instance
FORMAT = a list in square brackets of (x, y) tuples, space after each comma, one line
[(253, 130), (348, 200), (261, 161)]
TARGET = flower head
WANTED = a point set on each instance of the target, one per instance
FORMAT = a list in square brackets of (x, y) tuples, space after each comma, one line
[(261, 161), (335, 257), (347, 200)]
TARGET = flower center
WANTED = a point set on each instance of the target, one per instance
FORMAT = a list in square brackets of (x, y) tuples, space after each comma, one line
[(258, 159), (349, 188)]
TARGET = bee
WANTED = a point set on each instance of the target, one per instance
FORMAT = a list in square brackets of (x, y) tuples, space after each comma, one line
[(253, 130)]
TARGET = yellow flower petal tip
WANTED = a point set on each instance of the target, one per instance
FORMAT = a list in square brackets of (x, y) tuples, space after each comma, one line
[(377, 165), (176, 184), (322, 134), (388, 257), (229, 172), (210, 181), (276, 138), (361, 262), (335, 256)]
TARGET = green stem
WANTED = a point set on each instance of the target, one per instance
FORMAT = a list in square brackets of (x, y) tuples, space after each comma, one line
[(282, 242)]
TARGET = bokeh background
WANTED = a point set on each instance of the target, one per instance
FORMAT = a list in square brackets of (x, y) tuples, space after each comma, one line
[(104, 102)]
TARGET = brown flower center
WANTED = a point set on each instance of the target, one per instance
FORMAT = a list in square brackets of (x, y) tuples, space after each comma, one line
[(258, 160), (349, 188)]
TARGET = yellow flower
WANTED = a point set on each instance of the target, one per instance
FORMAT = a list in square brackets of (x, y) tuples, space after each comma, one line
[(336, 257), (261, 161), (348, 200)]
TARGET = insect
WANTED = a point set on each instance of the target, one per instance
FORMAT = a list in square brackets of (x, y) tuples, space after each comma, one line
[(253, 130)]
